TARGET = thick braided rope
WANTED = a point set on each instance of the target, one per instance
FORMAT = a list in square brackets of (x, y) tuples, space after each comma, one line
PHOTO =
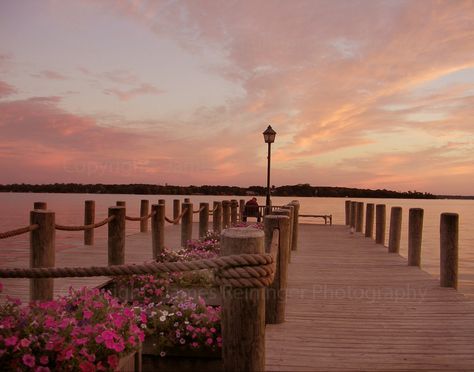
[(243, 270), (176, 220), (139, 218), (21, 230), (84, 227)]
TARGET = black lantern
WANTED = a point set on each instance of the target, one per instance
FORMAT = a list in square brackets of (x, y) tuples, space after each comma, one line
[(269, 137)]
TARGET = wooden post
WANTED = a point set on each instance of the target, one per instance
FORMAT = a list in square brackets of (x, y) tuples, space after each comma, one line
[(89, 219), (203, 219), (395, 230), (296, 221), (42, 252), (348, 212), (176, 210), (243, 309), (449, 227), (286, 211), (241, 209), (380, 224), (40, 205), (275, 294), (217, 217), (187, 224), (116, 238), (360, 216), (121, 204), (369, 220), (234, 204), (415, 234), (225, 214), (291, 209), (158, 229), (353, 215), (144, 206)]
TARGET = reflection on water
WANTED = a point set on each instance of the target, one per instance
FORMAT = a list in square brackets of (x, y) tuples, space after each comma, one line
[(69, 209)]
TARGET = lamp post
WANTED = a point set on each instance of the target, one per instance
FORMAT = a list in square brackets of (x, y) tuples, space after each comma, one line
[(269, 137)]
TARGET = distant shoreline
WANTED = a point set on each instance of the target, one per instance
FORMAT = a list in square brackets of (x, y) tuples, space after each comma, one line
[(300, 190)]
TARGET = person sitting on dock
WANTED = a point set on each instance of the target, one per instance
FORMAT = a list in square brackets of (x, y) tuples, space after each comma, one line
[(251, 210)]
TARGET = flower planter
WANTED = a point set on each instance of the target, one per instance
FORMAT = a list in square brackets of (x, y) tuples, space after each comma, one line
[(130, 362), (180, 359)]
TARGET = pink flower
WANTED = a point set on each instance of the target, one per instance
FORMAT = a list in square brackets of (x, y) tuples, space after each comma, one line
[(28, 360), (87, 314), (44, 360), (213, 330), (112, 360), (108, 335), (209, 341), (24, 342), (87, 366), (11, 341), (42, 369)]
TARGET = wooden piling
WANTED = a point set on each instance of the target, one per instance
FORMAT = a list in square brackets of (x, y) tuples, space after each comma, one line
[(275, 294), (241, 209), (380, 224), (288, 213), (225, 214), (360, 216), (291, 209), (348, 212), (217, 217), (158, 229), (243, 309), (353, 215), (449, 246), (203, 219), (369, 220), (144, 206), (234, 205), (395, 230), (89, 219), (40, 205), (116, 236), (187, 223), (176, 210), (296, 222), (42, 252), (415, 234)]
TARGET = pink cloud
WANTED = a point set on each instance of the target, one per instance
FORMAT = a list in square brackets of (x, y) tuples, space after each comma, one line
[(6, 89), (143, 89), (51, 75)]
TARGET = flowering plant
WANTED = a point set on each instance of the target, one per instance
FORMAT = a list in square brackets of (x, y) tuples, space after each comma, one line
[(87, 330), (252, 225), (185, 323)]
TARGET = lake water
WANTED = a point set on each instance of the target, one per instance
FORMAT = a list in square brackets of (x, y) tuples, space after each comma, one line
[(69, 209)]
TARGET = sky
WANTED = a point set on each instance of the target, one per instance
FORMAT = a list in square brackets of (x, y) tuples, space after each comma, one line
[(362, 93)]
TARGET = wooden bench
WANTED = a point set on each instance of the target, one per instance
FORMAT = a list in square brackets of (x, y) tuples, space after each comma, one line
[(327, 217)]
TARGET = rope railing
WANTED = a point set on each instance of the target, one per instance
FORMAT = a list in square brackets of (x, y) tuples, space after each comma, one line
[(84, 227), (199, 210), (19, 231), (244, 270), (143, 218), (176, 220)]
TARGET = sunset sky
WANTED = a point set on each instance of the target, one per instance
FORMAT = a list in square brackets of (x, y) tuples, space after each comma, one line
[(372, 94)]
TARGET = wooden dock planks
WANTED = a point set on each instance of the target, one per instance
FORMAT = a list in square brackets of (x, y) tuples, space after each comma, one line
[(351, 306)]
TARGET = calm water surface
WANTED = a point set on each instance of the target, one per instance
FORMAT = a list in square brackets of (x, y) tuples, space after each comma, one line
[(69, 209)]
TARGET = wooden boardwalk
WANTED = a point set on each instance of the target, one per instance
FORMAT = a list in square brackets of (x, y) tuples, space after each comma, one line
[(351, 306)]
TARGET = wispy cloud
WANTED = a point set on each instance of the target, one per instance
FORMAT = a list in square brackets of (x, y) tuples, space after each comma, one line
[(50, 74), (6, 89), (143, 89)]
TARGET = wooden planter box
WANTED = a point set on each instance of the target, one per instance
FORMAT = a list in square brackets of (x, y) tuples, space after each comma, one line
[(130, 363), (182, 360)]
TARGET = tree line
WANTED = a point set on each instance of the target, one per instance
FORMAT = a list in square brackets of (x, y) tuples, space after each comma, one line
[(301, 190)]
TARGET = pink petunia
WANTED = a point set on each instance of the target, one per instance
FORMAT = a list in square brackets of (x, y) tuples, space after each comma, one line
[(87, 367), (44, 360), (87, 314), (28, 360), (112, 360), (24, 342), (11, 341), (209, 341)]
